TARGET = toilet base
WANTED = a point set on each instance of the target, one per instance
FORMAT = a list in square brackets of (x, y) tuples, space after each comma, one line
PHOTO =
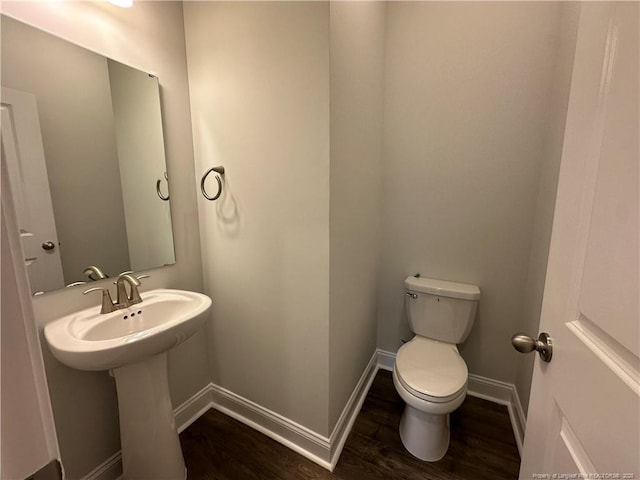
[(424, 435)]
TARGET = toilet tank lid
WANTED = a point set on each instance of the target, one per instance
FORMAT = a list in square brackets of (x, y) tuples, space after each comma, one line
[(442, 288)]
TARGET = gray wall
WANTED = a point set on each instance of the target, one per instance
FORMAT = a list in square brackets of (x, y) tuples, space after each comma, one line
[(148, 36), (264, 245), (547, 185), (357, 88), (465, 134), (467, 98), (259, 84), (78, 135)]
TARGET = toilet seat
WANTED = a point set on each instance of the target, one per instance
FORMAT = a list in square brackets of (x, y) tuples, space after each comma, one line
[(431, 370)]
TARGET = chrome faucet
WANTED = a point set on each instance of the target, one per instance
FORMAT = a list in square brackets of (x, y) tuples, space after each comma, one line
[(94, 273), (122, 300), (107, 304)]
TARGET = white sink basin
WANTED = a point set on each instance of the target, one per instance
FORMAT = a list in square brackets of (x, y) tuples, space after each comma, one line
[(133, 344), (88, 340)]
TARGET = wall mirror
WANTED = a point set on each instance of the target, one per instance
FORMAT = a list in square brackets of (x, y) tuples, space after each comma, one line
[(83, 146)]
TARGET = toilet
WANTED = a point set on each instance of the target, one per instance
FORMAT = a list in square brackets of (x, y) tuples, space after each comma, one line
[(429, 373)]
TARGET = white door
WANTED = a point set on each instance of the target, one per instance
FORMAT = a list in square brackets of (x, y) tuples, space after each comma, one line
[(24, 163), (584, 414)]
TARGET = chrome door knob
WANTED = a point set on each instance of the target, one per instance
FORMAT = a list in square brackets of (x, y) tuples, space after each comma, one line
[(48, 245), (525, 344)]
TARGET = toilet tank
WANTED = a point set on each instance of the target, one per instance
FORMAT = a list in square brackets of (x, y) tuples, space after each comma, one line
[(440, 309)]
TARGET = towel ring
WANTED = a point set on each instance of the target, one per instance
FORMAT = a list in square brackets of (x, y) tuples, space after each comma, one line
[(220, 171), (162, 197)]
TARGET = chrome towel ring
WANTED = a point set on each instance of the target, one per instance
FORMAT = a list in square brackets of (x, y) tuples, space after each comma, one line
[(162, 197), (219, 171)]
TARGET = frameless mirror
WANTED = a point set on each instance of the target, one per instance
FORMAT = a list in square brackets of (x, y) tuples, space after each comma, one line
[(83, 148)]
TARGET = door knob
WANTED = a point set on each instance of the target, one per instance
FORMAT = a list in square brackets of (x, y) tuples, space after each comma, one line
[(48, 245), (525, 344)]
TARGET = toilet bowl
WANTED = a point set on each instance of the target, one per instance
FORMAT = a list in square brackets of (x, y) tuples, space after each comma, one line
[(432, 388), (429, 373)]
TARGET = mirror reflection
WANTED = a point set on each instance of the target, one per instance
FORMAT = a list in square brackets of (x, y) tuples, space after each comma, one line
[(83, 148)]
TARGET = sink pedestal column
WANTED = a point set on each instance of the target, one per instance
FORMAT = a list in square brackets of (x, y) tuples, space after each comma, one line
[(150, 443)]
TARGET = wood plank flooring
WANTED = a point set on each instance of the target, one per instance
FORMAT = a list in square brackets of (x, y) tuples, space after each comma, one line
[(482, 446)]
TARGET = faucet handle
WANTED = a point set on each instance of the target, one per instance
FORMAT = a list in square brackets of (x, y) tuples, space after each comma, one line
[(137, 277), (107, 303), (131, 272)]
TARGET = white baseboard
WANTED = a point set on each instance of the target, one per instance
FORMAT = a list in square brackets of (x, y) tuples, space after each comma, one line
[(386, 360), (283, 430), (489, 389), (518, 418), (317, 448), (504, 394), (193, 408), (486, 388), (109, 470), (351, 409)]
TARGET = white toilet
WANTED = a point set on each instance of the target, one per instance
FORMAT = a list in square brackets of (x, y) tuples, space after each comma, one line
[(429, 373)]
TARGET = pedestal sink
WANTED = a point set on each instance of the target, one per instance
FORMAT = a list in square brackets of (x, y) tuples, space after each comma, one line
[(133, 344)]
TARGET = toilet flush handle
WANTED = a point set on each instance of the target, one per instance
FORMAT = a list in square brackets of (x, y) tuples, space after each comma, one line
[(412, 295)]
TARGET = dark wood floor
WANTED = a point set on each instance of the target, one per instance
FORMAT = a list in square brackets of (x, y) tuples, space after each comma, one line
[(482, 446)]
